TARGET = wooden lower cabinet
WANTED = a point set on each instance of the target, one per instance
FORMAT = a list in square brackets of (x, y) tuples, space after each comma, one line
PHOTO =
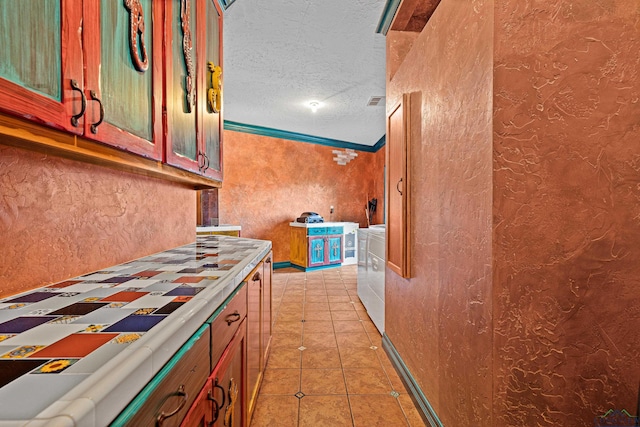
[(180, 381), (222, 401), (259, 324), (214, 379)]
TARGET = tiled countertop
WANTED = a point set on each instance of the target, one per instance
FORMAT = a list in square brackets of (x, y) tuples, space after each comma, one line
[(76, 352)]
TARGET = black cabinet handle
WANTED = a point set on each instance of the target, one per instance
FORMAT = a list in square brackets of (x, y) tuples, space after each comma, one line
[(94, 126), (163, 416), (233, 317), (216, 406), (398, 186), (256, 276), (83, 107)]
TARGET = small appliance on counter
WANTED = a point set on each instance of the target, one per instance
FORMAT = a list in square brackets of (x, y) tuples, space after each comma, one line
[(310, 218)]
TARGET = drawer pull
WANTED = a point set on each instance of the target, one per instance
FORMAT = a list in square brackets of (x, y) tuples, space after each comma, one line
[(233, 317), (163, 416), (216, 407), (256, 277)]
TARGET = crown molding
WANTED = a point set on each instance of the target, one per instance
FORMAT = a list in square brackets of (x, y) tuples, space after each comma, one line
[(301, 137)]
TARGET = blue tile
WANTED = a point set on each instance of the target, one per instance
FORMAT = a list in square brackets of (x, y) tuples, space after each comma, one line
[(21, 324), (135, 323)]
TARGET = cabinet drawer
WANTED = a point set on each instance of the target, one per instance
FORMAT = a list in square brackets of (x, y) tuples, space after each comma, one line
[(177, 385), (317, 231), (226, 323), (335, 230)]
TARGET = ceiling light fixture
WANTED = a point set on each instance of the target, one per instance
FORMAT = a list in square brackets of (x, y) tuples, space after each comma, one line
[(314, 105)]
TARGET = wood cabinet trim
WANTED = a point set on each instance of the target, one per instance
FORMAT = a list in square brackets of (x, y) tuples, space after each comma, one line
[(31, 136)]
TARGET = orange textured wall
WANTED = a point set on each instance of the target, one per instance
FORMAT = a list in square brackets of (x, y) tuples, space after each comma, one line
[(440, 320), (269, 182), (60, 218), (566, 211)]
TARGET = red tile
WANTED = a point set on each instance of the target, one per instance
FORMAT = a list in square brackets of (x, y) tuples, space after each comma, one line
[(64, 284), (75, 345), (124, 296)]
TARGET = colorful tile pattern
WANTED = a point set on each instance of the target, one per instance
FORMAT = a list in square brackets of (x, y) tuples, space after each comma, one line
[(117, 306)]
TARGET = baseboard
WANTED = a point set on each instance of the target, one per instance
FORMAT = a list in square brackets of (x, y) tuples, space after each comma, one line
[(422, 404), (284, 264)]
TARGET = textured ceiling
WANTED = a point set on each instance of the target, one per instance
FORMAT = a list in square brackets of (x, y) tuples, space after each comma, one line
[(281, 54)]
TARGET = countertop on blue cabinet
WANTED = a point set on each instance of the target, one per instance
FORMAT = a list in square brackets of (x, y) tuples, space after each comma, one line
[(75, 353), (318, 224)]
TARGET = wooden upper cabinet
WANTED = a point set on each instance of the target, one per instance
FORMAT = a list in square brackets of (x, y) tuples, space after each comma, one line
[(123, 82), (41, 54), (144, 76), (193, 86), (398, 187)]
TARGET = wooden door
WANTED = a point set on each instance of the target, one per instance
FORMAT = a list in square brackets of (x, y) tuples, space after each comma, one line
[(229, 382), (210, 78), (334, 249), (41, 59), (181, 47), (317, 250), (398, 189), (266, 308), (254, 309), (201, 411), (123, 55)]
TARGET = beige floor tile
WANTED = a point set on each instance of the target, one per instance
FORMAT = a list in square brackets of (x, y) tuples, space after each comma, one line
[(359, 358), (316, 358), (281, 381), (284, 358), (345, 315), (376, 411), (367, 381), (275, 411), (322, 382), (291, 306), (316, 306), (311, 340), (341, 306), (286, 340), (316, 298), (344, 326), (334, 284), (317, 315), (317, 326), (353, 339), (288, 316), (315, 291), (287, 327), (337, 292), (324, 411), (338, 298)]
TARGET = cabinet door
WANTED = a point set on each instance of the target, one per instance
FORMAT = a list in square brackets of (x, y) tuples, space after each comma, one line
[(254, 309), (201, 411), (398, 188), (123, 56), (210, 69), (317, 250), (229, 382), (266, 308), (334, 249), (40, 55), (181, 44)]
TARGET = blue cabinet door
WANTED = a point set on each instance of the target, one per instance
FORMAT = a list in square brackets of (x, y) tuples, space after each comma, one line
[(317, 251), (334, 250)]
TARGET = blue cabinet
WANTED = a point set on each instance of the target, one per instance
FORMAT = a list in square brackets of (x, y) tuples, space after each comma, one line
[(325, 246)]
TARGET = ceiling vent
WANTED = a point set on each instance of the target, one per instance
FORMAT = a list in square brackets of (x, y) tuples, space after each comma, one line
[(375, 101)]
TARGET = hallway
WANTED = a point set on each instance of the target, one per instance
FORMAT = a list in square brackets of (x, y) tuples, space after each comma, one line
[(327, 366)]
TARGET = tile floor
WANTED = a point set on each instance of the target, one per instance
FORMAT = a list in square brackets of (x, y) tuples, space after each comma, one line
[(327, 367)]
